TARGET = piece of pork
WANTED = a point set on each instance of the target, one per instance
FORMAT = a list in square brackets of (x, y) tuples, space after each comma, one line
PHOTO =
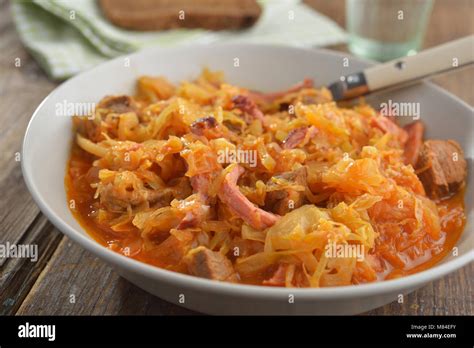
[(441, 167), (230, 195), (248, 106), (299, 137), (205, 263), (200, 184), (284, 200), (194, 216), (415, 131), (121, 190), (199, 210), (119, 104), (207, 127), (278, 278)]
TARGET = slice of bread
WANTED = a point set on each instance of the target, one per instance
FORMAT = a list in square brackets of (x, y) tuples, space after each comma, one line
[(169, 14)]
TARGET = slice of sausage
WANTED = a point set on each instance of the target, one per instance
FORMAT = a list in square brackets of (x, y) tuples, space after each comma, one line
[(441, 167), (205, 263), (413, 145), (231, 196)]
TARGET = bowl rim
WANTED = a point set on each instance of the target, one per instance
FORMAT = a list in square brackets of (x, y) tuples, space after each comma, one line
[(157, 274)]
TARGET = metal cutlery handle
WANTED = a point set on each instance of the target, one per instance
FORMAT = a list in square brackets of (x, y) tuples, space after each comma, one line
[(448, 56)]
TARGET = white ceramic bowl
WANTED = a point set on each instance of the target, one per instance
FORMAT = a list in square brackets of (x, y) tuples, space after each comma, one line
[(267, 68)]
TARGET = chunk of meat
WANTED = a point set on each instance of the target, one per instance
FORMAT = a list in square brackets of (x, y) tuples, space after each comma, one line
[(172, 250), (247, 106), (413, 145), (386, 125), (190, 220), (287, 199), (441, 167), (206, 126), (119, 104), (200, 209), (269, 97), (299, 137), (239, 204), (205, 263), (278, 278), (117, 191), (200, 184), (194, 216)]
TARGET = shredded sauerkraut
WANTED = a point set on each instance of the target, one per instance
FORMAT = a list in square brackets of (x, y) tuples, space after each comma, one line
[(271, 182)]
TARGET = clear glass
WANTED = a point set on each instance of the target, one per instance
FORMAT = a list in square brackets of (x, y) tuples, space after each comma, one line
[(386, 29)]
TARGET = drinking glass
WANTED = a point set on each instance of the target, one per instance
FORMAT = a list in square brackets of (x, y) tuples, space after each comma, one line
[(386, 29)]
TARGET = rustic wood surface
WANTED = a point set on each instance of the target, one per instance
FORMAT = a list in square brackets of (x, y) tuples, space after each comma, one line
[(69, 280)]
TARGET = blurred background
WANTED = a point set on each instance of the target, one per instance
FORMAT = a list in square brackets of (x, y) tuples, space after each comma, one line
[(448, 20), (45, 42), (66, 37)]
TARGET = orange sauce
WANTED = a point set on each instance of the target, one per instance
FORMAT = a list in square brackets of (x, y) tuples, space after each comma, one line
[(453, 220)]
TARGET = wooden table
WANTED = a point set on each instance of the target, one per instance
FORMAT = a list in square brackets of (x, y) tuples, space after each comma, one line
[(65, 271)]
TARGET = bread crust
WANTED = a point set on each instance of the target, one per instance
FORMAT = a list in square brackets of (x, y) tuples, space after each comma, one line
[(150, 15)]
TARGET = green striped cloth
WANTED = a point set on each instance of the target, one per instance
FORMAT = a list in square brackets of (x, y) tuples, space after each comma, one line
[(69, 36)]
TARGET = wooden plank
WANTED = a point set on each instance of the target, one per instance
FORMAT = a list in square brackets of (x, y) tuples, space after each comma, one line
[(74, 273), (452, 20), (21, 90), (17, 275), (449, 295)]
